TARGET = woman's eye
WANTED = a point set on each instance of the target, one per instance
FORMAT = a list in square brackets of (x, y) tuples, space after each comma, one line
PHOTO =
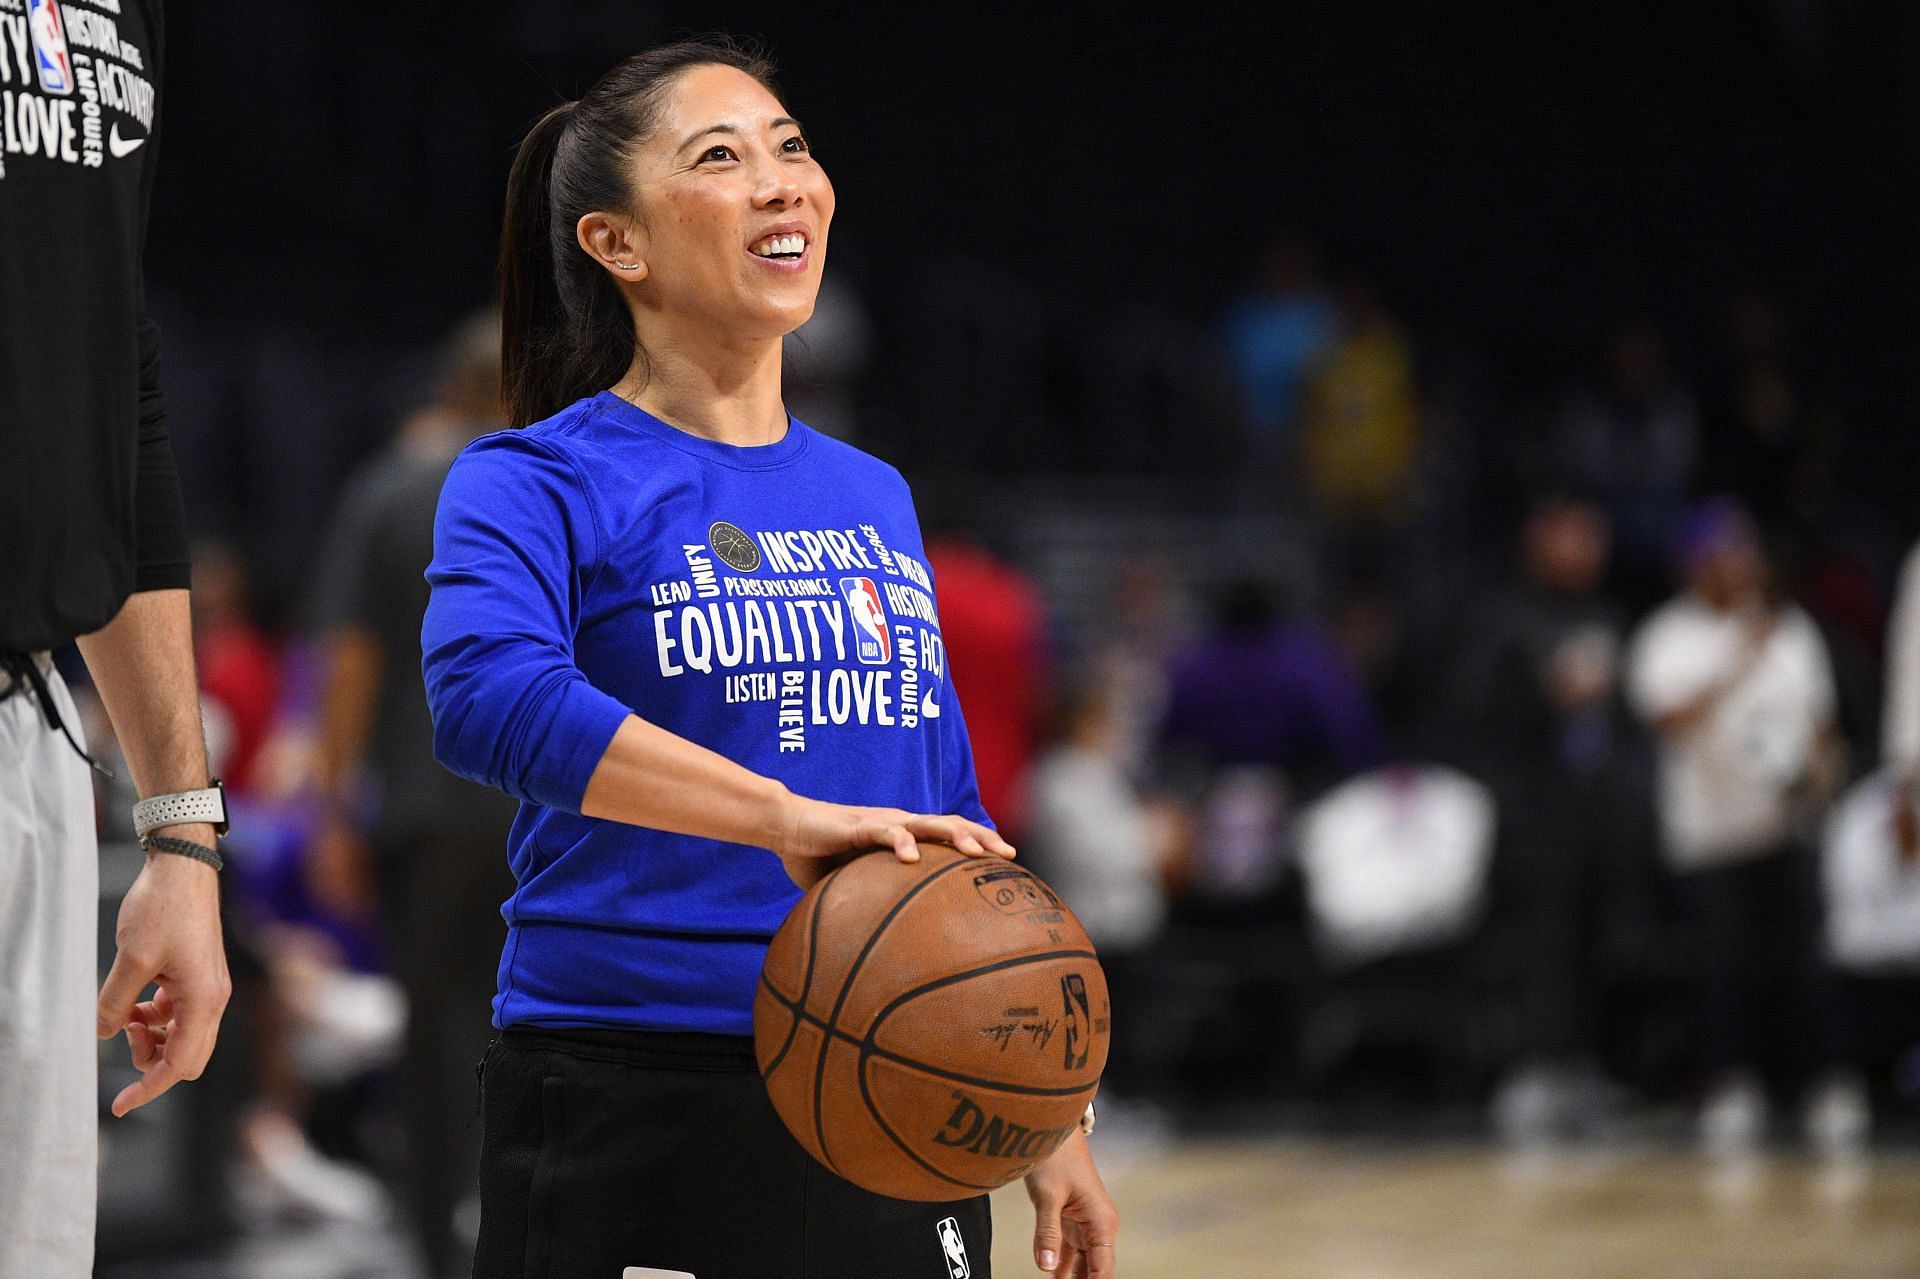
[(718, 153), (795, 145)]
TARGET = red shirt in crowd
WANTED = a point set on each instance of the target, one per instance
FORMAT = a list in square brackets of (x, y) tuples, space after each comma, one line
[(995, 627), (238, 670)]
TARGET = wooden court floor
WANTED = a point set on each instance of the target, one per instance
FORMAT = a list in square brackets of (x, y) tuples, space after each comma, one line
[(1286, 1209)]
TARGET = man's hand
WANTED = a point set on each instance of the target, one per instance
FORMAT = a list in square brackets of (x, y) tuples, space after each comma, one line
[(1075, 1224), (169, 931), (169, 937)]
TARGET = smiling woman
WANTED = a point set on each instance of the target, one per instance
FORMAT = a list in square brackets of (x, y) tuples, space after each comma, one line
[(700, 717), (677, 196)]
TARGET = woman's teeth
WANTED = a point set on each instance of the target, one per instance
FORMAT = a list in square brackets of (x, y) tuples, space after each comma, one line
[(780, 246)]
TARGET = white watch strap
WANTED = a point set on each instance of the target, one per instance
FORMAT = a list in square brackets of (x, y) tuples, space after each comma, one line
[(207, 805)]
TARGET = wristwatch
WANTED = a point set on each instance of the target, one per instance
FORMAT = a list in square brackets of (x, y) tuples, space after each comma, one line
[(206, 805)]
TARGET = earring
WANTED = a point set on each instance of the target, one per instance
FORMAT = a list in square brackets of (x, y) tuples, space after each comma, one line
[(628, 266)]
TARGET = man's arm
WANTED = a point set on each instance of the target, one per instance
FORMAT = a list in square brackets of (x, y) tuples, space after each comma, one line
[(169, 928)]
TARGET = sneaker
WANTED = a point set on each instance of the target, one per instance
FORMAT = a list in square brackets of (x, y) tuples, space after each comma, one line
[(1837, 1119), (286, 1179), (1733, 1121), (1553, 1101), (1528, 1107)]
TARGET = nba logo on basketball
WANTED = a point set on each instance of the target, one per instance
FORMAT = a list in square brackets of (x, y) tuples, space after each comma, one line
[(955, 1247), (872, 643), (1078, 1018), (50, 46)]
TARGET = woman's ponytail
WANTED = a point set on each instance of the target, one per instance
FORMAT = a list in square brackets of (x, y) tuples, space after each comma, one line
[(565, 329), (532, 316)]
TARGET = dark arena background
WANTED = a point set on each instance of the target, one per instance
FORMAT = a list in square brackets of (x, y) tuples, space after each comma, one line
[(1314, 411)]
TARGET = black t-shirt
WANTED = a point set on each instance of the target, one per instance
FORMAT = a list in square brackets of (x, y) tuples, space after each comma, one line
[(373, 578), (90, 506)]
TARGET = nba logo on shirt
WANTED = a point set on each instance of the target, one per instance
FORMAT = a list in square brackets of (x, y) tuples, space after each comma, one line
[(50, 46), (873, 644), (955, 1247)]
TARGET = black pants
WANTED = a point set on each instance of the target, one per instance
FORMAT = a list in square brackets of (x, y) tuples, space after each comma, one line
[(609, 1149), (1575, 845), (1770, 999)]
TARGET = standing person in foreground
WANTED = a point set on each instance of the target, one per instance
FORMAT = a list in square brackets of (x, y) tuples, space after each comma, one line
[(93, 547), (666, 616)]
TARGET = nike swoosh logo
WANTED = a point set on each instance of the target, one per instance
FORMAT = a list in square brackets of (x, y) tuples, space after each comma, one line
[(121, 146), (929, 708)]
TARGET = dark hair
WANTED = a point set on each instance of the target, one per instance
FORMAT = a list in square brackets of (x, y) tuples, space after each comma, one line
[(565, 331)]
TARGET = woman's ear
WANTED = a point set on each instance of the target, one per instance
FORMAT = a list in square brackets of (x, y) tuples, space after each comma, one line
[(614, 243)]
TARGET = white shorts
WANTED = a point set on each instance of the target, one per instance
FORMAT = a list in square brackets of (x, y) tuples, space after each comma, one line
[(49, 937)]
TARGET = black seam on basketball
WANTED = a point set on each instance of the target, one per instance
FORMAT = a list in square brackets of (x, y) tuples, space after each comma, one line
[(953, 978), (888, 1054), (869, 1048), (806, 981), (781, 999), (866, 1095), (846, 986)]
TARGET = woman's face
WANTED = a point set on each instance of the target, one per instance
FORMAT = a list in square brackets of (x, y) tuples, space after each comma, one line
[(732, 209)]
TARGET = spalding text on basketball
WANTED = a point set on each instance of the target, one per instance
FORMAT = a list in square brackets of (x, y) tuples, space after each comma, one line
[(973, 1129)]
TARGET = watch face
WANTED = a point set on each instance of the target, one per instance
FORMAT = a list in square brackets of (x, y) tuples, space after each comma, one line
[(735, 549)]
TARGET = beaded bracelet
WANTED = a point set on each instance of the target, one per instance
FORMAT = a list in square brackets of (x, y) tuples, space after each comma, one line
[(184, 847)]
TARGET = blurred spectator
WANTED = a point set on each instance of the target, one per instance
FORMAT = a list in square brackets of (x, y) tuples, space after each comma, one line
[(1769, 441), (401, 837), (1130, 653), (1261, 688), (238, 669), (995, 625), (1737, 686), (1274, 335), (1106, 852), (1536, 712), (1900, 747), (1373, 625), (1872, 880), (1632, 442), (1260, 708), (826, 357), (1360, 424), (1395, 860)]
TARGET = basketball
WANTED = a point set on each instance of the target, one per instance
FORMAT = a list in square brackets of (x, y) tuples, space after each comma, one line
[(931, 1031)]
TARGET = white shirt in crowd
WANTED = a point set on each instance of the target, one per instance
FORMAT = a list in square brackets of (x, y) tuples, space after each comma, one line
[(1097, 842), (1725, 783), (1396, 859), (1872, 892), (1900, 749)]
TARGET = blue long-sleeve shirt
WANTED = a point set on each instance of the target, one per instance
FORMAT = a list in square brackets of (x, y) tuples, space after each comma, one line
[(769, 602)]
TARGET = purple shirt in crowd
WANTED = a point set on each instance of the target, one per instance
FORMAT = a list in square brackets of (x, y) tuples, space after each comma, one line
[(1280, 695)]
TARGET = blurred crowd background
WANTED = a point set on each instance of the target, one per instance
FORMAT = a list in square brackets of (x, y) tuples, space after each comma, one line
[(1418, 501)]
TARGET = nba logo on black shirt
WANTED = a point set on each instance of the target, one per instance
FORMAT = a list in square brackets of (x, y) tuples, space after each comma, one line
[(872, 643), (50, 47)]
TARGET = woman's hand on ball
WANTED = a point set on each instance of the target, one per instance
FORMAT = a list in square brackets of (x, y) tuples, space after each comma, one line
[(817, 836)]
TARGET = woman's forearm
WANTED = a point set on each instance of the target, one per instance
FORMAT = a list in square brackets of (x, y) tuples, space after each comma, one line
[(659, 779)]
